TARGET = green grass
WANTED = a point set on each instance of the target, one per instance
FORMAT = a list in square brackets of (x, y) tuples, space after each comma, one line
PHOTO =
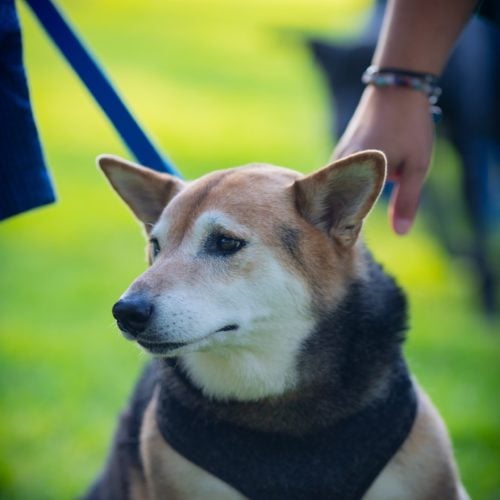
[(218, 83)]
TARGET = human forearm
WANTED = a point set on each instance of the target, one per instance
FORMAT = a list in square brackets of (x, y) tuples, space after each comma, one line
[(419, 34)]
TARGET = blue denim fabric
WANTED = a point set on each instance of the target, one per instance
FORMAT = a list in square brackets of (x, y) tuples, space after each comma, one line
[(24, 180)]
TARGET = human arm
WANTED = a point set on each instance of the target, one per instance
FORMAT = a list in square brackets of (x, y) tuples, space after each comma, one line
[(416, 35)]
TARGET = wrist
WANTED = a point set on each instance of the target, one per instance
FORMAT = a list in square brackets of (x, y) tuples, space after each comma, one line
[(398, 96), (385, 76), (397, 79)]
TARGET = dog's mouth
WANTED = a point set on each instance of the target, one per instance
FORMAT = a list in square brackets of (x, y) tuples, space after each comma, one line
[(166, 348), (161, 347)]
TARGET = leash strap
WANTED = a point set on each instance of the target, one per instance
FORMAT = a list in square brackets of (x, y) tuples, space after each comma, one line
[(99, 85)]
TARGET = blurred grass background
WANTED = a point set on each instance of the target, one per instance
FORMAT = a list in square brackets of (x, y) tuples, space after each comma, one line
[(217, 83)]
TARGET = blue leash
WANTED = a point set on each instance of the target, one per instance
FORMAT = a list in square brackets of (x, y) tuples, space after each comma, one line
[(99, 86)]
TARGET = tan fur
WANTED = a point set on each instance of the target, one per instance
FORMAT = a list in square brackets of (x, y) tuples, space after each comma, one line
[(137, 485), (423, 468), (145, 191), (338, 198)]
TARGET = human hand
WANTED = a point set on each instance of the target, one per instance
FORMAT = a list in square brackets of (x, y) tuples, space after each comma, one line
[(396, 121)]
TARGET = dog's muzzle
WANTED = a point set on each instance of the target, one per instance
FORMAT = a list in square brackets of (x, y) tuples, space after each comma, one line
[(133, 314)]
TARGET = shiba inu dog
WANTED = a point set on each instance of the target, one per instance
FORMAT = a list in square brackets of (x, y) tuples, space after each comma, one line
[(277, 370)]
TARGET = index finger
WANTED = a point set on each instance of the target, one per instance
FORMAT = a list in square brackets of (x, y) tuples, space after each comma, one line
[(405, 198)]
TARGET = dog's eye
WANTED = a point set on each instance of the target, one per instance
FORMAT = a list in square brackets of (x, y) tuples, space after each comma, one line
[(154, 247), (218, 244), (225, 244)]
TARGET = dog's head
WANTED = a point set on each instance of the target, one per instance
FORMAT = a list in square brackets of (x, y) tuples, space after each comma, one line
[(242, 260)]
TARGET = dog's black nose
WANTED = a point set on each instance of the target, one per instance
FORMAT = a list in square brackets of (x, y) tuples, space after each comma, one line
[(133, 313)]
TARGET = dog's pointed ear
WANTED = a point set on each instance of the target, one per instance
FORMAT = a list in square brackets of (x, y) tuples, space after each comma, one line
[(338, 197), (145, 191)]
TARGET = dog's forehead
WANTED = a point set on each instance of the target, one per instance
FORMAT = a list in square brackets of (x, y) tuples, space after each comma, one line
[(242, 192)]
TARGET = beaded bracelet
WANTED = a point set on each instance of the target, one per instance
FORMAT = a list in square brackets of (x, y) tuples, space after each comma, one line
[(426, 83)]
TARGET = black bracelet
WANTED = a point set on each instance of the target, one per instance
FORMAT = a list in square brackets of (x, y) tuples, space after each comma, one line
[(422, 82)]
